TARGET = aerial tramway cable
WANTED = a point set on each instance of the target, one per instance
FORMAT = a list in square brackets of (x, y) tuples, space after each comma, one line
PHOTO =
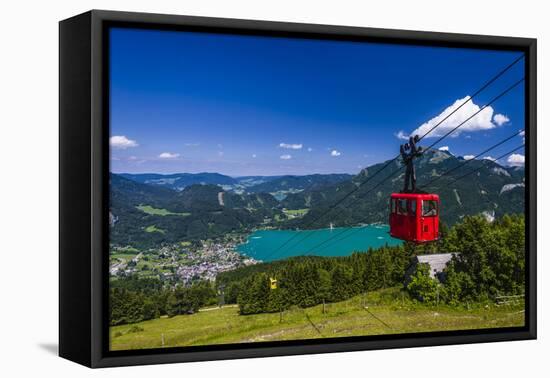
[(454, 129), (477, 169), (475, 157), (470, 98), (357, 229)]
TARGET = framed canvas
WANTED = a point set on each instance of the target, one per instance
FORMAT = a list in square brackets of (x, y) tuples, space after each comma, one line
[(235, 188)]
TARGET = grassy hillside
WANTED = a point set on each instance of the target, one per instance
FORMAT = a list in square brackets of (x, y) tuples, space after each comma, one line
[(387, 311), (154, 211)]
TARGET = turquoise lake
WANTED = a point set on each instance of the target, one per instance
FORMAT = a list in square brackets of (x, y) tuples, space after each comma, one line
[(263, 245)]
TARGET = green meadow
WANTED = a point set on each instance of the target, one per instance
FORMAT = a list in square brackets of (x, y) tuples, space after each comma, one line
[(153, 228), (296, 212), (386, 311), (155, 211)]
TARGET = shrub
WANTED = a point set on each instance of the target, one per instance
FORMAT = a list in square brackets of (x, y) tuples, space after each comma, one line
[(422, 287), (135, 329)]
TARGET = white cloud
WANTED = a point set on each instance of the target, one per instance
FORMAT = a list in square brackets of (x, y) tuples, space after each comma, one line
[(468, 157), (192, 144), (291, 146), (335, 153), (286, 157), (444, 148), (120, 142), (522, 135), (489, 158), (254, 156), (169, 155), (220, 153), (402, 135), (516, 160), (309, 149), (482, 121), (500, 119)]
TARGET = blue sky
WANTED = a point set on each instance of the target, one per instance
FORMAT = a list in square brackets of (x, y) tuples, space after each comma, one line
[(246, 105)]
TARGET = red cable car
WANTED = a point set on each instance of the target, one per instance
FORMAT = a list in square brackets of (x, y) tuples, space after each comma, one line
[(414, 217)]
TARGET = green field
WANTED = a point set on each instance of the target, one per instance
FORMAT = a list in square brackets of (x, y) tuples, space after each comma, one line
[(125, 250), (295, 213), (387, 311), (155, 211), (154, 228), (122, 256)]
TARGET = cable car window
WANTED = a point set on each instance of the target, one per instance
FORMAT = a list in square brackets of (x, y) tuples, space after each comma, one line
[(402, 206), (429, 208), (412, 204), (393, 205)]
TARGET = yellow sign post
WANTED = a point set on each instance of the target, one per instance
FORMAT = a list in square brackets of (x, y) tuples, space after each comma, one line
[(272, 283)]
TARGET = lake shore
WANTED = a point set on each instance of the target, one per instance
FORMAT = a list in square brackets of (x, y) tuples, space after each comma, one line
[(270, 245)]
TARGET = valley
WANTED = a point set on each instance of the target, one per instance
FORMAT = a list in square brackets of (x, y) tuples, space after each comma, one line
[(148, 210), (259, 198), (183, 263), (192, 266)]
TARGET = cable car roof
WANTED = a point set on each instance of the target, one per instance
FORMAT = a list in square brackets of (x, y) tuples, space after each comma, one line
[(422, 196)]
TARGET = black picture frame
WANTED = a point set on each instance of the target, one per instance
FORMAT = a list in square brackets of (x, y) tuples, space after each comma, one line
[(84, 191)]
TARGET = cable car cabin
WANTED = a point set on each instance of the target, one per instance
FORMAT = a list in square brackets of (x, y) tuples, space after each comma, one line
[(414, 217)]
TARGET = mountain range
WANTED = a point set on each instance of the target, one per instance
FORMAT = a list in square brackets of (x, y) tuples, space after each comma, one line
[(493, 190), (151, 209), (146, 215), (277, 185)]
